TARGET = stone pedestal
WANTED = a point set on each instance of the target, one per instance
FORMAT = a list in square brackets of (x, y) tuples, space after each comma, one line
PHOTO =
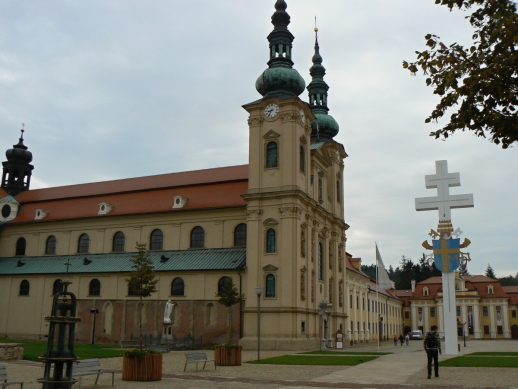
[(11, 351)]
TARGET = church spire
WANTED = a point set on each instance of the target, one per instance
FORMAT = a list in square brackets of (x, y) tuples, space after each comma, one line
[(280, 79), (324, 127), (17, 170)]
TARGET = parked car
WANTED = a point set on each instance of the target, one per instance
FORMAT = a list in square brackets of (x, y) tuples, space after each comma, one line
[(416, 335)]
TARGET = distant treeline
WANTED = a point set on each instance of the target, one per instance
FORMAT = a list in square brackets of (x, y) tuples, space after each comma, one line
[(420, 271)]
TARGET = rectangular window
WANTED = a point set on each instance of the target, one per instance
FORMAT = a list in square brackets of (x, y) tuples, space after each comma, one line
[(485, 312), (458, 310), (407, 315), (499, 329), (486, 330), (432, 311), (350, 301), (513, 314), (303, 327)]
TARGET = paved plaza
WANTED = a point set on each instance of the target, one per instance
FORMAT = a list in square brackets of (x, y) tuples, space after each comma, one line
[(405, 368)]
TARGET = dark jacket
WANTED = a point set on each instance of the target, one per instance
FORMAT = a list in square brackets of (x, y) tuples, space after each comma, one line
[(437, 340)]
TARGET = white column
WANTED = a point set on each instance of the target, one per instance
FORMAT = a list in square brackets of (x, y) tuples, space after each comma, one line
[(476, 322), (362, 333), (368, 316), (450, 314), (355, 319), (426, 313), (464, 313), (415, 322), (492, 314), (348, 302), (505, 318), (440, 318)]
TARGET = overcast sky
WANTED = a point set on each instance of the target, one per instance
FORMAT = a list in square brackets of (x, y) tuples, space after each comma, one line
[(112, 89)]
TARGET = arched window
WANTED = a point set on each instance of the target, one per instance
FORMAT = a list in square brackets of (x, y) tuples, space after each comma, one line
[(197, 238), (270, 240), (118, 241), (270, 285), (302, 155), (50, 247), (320, 261), (177, 287), (83, 244), (240, 235), (94, 288), (131, 291), (57, 287), (20, 246), (24, 288), (271, 155), (223, 281), (156, 240)]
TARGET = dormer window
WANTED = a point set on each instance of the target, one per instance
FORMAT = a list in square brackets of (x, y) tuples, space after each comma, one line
[(490, 289), (105, 208), (426, 291), (8, 209), (40, 214), (179, 202)]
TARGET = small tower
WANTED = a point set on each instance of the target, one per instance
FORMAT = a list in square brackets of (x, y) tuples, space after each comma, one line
[(17, 170), (324, 127)]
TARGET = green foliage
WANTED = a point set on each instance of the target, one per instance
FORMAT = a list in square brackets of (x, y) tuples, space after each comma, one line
[(326, 352), (508, 281), (317, 360), (139, 353), (228, 297), (490, 272), (142, 278), (480, 81)]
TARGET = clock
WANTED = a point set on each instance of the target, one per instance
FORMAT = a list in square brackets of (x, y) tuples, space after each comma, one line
[(271, 110), (302, 116)]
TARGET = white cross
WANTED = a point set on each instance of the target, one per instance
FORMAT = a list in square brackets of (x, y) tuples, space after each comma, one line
[(444, 202)]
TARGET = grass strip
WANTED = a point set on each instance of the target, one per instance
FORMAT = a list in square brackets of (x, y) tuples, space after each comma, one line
[(480, 361), (314, 360), (327, 352), (33, 350), (496, 354)]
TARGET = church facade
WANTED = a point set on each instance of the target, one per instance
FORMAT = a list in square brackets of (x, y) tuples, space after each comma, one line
[(276, 223)]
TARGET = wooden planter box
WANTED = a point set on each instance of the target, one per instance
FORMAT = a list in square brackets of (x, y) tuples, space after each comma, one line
[(227, 356), (149, 368)]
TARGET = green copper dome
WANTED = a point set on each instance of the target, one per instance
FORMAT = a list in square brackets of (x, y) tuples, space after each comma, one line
[(324, 127), (280, 78)]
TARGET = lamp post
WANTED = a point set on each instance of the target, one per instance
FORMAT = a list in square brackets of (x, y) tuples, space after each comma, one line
[(94, 311), (464, 333), (258, 292)]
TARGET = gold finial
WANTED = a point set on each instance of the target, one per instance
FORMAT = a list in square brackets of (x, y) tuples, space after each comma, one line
[(316, 28)]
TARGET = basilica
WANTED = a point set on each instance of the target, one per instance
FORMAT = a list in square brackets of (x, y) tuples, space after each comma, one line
[(276, 223)]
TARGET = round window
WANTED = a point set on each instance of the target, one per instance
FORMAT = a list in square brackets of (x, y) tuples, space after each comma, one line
[(6, 210), (177, 201), (103, 207)]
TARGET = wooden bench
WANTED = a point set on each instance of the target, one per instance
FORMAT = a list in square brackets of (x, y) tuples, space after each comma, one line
[(90, 367), (3, 378), (197, 356)]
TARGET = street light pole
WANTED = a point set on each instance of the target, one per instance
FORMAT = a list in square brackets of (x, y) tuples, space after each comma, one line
[(94, 311), (258, 292)]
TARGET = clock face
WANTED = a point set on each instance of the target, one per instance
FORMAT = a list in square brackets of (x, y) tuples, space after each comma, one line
[(302, 116), (271, 110)]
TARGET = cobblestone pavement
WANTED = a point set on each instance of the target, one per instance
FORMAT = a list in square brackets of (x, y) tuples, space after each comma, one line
[(405, 368)]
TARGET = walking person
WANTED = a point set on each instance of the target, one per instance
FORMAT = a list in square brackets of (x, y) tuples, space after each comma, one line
[(401, 339), (407, 338), (395, 340), (432, 346)]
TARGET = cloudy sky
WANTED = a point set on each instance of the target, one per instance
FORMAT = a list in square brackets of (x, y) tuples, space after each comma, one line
[(113, 89)]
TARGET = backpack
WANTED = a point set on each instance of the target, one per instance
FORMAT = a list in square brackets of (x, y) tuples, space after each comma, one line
[(431, 340)]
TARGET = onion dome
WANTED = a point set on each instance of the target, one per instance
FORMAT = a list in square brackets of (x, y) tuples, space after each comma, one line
[(280, 78), (19, 152), (324, 127)]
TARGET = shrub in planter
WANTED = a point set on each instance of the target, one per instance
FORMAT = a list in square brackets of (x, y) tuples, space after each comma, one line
[(141, 365)]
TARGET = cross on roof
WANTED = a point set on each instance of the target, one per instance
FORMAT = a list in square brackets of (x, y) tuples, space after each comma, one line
[(443, 202)]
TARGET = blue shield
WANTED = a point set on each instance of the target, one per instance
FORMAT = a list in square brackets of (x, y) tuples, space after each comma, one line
[(446, 253)]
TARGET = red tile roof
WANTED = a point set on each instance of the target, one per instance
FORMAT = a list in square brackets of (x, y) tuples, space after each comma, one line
[(512, 291), (211, 188)]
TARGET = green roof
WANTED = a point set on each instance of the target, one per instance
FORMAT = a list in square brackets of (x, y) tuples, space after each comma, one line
[(177, 260)]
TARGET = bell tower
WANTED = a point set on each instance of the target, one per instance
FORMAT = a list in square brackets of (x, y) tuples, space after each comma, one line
[(17, 170)]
